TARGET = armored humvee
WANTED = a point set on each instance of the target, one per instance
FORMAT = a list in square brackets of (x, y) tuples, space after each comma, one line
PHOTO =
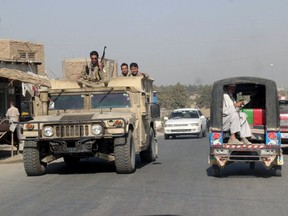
[(112, 120)]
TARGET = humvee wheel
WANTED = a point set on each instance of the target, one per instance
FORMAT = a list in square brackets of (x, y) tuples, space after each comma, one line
[(31, 158), (216, 171), (70, 160), (150, 154), (124, 153), (277, 170)]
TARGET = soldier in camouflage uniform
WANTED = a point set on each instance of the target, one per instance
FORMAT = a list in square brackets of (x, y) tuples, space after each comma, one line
[(93, 71)]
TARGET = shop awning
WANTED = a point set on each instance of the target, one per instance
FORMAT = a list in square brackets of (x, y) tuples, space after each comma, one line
[(26, 77)]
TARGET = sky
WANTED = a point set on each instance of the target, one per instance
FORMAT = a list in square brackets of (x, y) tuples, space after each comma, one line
[(174, 41)]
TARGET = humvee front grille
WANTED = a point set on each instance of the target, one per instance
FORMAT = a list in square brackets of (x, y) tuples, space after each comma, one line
[(71, 130), (75, 129)]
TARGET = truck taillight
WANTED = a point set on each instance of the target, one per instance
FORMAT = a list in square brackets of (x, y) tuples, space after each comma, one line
[(216, 139), (273, 138)]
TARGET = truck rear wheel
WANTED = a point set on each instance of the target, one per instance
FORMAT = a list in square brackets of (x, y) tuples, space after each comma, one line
[(124, 153), (150, 154), (32, 161)]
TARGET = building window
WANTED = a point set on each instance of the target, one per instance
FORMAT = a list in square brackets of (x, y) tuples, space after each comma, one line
[(31, 55), (22, 55)]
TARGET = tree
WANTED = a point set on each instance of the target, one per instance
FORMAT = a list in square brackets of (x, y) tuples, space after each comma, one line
[(172, 97), (204, 96), (180, 97)]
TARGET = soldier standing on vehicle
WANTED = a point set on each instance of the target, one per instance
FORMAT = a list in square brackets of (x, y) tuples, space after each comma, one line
[(233, 119), (124, 70), (93, 71), (135, 70)]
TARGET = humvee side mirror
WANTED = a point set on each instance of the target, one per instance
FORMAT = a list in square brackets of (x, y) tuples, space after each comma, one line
[(155, 110)]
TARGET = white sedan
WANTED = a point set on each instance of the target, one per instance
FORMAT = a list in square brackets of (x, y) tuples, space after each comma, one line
[(185, 121)]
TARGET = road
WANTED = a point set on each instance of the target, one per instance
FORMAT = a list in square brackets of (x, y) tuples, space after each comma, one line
[(178, 183)]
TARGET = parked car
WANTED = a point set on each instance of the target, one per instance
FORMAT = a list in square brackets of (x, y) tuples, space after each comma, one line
[(185, 121), (283, 106)]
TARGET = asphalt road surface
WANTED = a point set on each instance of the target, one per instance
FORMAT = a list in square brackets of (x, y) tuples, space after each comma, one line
[(178, 183)]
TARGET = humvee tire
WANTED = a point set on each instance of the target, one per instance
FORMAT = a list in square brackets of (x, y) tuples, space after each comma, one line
[(31, 158), (149, 155), (71, 161), (124, 153)]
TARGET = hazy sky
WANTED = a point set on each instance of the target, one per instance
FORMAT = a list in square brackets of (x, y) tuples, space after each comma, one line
[(186, 41)]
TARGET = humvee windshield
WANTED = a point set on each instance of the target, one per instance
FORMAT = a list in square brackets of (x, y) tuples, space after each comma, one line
[(67, 102), (111, 100)]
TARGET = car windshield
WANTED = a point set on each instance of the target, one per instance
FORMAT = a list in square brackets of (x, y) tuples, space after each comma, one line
[(283, 106), (67, 102), (184, 114), (111, 100)]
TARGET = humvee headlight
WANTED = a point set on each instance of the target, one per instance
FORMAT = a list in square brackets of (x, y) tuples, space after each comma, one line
[(96, 129), (48, 131)]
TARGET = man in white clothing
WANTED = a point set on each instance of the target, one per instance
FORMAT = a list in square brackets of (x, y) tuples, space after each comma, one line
[(234, 120)]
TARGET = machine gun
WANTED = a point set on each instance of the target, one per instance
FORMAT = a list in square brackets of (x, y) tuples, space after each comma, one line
[(103, 55), (86, 68)]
